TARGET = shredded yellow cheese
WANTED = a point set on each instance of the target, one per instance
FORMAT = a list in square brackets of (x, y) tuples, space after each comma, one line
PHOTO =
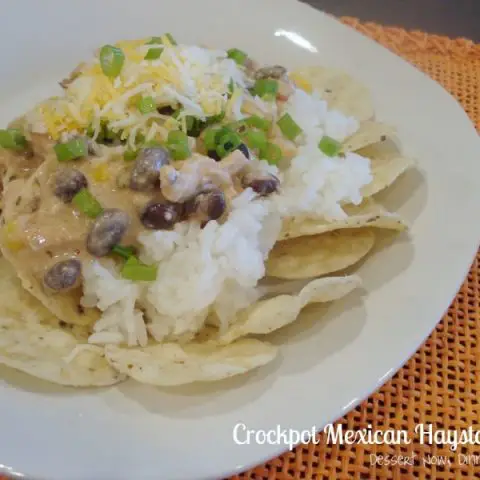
[(192, 77)]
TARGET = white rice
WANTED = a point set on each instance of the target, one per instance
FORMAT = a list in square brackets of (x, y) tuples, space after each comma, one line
[(207, 275)]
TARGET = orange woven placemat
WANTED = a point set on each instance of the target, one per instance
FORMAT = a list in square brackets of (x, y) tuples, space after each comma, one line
[(440, 385)]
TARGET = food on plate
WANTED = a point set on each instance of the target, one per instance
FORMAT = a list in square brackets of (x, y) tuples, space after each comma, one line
[(33, 341), (316, 255), (143, 207)]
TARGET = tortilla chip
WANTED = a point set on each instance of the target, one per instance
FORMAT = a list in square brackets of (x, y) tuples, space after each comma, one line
[(369, 133), (339, 89), (387, 164), (367, 214), (65, 306), (269, 315), (317, 255), (32, 341), (169, 364)]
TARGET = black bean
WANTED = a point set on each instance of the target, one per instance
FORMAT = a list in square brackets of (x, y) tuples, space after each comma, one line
[(146, 171), (213, 154), (262, 184), (166, 110), (67, 183), (161, 215), (207, 205), (63, 275), (107, 230)]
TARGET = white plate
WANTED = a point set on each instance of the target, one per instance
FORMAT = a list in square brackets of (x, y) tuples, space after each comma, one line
[(328, 365)]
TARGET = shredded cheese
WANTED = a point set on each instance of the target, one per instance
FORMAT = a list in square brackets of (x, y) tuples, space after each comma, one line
[(191, 77)]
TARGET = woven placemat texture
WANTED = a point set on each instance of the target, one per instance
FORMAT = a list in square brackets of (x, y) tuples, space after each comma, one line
[(440, 385)]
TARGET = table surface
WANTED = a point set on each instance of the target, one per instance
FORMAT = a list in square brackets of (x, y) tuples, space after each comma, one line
[(453, 18)]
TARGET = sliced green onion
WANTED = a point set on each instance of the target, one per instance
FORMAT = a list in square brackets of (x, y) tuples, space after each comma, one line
[(179, 151), (154, 40), (90, 131), (237, 55), (109, 134), (12, 139), (138, 272), (177, 143), (239, 126), (146, 105), (75, 148), (258, 122), (177, 136), (329, 146), (289, 127), (227, 143), (209, 138), (130, 155), (171, 39), (87, 203), (266, 88), (190, 123), (124, 252), (271, 153), (111, 60), (153, 53), (139, 139), (255, 139), (159, 40)]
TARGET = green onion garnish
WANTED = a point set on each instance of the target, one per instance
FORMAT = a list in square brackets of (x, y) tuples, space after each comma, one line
[(153, 53), (190, 123), (109, 134), (139, 272), (139, 139), (111, 60), (146, 105), (171, 39), (130, 155), (258, 122), (179, 151), (237, 55), (255, 139), (289, 127), (329, 146), (12, 139), (87, 203), (75, 148), (266, 88), (177, 136), (271, 153), (124, 252), (210, 138), (159, 40), (90, 131), (227, 143), (177, 142), (154, 40)]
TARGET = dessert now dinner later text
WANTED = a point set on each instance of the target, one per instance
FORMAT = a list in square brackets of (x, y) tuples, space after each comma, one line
[(337, 434)]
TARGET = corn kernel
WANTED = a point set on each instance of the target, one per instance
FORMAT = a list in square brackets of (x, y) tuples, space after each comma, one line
[(101, 173), (301, 82)]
